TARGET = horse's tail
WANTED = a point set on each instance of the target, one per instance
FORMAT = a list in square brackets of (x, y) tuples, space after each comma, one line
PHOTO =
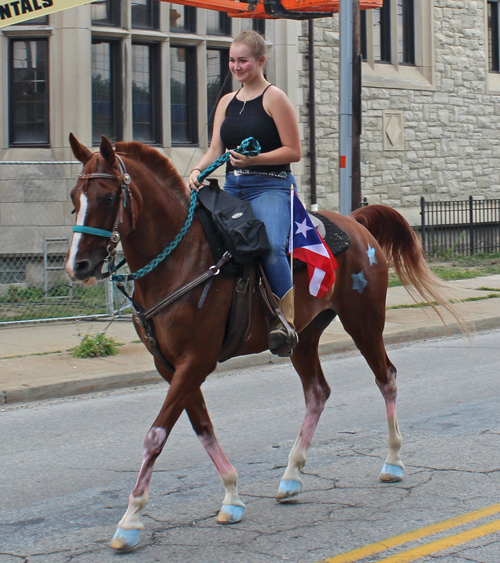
[(403, 249)]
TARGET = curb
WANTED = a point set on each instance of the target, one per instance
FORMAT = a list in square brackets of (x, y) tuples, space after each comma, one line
[(137, 379)]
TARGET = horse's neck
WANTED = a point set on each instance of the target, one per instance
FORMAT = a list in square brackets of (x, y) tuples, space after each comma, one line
[(159, 221)]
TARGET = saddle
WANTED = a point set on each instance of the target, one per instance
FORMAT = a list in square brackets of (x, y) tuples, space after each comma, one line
[(251, 276)]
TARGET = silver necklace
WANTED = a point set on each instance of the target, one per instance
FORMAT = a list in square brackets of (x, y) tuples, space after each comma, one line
[(244, 101)]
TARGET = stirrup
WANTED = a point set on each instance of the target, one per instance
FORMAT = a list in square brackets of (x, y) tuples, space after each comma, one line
[(282, 340)]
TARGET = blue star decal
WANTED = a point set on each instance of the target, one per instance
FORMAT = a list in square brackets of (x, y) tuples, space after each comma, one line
[(371, 255), (359, 282)]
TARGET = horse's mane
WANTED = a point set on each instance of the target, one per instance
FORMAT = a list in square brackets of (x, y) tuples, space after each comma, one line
[(160, 165)]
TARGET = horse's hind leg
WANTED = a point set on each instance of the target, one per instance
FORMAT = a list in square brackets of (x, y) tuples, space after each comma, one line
[(232, 507), (366, 331), (305, 359)]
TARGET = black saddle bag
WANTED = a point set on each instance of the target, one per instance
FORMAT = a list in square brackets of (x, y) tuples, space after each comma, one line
[(244, 235)]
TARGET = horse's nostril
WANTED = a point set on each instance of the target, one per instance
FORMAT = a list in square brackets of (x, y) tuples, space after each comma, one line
[(82, 270)]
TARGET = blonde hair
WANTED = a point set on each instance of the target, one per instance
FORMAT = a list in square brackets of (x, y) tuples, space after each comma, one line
[(254, 41)]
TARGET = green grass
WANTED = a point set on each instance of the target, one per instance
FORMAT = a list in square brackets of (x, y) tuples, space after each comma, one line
[(29, 303), (95, 346), (460, 268)]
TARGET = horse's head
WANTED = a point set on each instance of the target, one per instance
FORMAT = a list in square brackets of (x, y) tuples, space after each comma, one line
[(106, 205)]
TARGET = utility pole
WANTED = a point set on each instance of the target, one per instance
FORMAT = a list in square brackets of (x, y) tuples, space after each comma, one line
[(350, 107), (356, 107)]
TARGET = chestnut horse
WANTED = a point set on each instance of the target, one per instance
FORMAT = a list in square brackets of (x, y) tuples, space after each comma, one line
[(190, 338)]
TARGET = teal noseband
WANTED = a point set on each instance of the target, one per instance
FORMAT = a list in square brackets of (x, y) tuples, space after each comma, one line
[(92, 231)]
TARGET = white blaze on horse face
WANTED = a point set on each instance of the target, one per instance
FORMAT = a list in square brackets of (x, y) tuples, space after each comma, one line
[(75, 241)]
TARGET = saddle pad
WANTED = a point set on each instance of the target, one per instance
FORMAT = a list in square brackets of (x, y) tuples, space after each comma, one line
[(337, 240)]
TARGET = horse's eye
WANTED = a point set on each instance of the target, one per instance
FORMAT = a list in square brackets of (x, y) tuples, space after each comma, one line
[(108, 198)]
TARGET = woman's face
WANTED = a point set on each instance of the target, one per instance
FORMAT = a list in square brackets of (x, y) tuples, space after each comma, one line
[(242, 64)]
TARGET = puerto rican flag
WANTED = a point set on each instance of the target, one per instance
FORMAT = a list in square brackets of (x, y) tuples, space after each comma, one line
[(306, 244)]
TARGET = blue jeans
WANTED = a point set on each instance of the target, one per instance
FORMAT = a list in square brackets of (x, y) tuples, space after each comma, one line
[(270, 199)]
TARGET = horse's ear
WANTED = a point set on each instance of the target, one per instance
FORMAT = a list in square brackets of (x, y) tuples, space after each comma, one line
[(80, 151), (107, 151)]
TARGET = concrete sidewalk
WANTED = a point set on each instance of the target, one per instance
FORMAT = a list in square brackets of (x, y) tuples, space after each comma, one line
[(35, 363)]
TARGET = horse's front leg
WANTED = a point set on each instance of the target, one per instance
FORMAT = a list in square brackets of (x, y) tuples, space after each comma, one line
[(232, 507), (316, 392), (393, 468), (180, 392)]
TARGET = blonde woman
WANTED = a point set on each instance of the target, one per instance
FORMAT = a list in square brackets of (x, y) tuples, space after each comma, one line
[(263, 111)]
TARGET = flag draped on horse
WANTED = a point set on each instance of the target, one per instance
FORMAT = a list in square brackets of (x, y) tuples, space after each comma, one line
[(306, 244)]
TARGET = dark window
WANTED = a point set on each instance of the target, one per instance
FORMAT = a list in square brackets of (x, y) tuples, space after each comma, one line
[(218, 81), (218, 23), (106, 90), (182, 18), (183, 108), (105, 12), (406, 32), (362, 25), (146, 14), (256, 24), (29, 92), (382, 33), (146, 97), (493, 37)]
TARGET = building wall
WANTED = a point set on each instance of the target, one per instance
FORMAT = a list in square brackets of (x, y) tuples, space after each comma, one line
[(34, 198), (451, 117)]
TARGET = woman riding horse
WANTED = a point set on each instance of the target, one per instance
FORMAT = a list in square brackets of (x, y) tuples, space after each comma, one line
[(260, 110)]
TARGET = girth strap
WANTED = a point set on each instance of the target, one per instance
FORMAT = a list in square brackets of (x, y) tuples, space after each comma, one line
[(143, 317)]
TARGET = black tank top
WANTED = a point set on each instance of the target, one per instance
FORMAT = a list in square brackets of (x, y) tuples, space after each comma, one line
[(254, 122)]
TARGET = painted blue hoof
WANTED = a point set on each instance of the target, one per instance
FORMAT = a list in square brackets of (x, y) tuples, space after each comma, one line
[(124, 540), (288, 489), (391, 473), (230, 514)]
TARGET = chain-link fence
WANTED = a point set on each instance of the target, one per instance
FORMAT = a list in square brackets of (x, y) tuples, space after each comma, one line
[(35, 233)]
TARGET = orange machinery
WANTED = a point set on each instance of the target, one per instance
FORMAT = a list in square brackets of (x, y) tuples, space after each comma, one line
[(274, 9)]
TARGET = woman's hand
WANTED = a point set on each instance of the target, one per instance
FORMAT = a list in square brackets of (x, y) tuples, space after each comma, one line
[(240, 160), (192, 182)]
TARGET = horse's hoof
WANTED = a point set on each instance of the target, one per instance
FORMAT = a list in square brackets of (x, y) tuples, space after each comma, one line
[(288, 489), (391, 473), (124, 540), (230, 514)]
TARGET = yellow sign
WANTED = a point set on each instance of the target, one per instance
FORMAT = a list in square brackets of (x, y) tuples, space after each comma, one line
[(17, 11)]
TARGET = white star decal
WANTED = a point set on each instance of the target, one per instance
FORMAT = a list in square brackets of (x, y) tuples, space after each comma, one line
[(302, 228)]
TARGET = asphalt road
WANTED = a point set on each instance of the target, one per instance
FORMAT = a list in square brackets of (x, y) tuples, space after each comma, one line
[(68, 466)]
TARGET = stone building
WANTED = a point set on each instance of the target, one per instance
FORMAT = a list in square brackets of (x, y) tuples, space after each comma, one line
[(150, 71), (431, 103)]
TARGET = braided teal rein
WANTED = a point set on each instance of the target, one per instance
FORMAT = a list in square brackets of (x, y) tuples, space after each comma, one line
[(249, 147)]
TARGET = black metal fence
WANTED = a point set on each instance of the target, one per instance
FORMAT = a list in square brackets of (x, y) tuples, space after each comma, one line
[(464, 227)]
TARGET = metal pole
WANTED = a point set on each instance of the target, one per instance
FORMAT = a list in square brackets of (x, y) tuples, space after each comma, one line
[(345, 123), (356, 106), (312, 118)]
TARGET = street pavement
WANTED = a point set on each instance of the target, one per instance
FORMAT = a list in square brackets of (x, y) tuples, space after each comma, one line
[(36, 364)]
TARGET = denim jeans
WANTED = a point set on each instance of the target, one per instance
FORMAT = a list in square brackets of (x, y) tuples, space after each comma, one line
[(270, 199)]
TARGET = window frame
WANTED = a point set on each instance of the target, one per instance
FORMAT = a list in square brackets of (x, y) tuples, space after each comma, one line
[(114, 15), (11, 125), (190, 15), (192, 95), (493, 31), (224, 28), (419, 75), (117, 89), (225, 80), (154, 15), (156, 93)]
